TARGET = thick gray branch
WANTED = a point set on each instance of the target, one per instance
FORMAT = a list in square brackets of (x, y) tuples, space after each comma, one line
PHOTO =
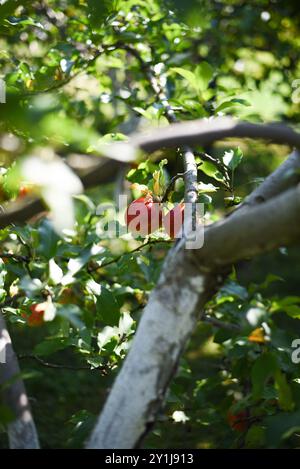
[(21, 431), (285, 176), (199, 131), (205, 132), (249, 232)]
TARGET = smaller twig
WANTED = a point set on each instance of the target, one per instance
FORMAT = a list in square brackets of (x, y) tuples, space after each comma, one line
[(16, 257), (69, 78), (29, 257), (219, 164), (220, 324), (171, 185), (216, 161), (189, 163), (28, 249), (139, 248), (206, 157), (10, 301), (104, 369)]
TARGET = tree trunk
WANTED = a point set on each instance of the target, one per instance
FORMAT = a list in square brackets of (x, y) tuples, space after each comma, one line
[(21, 431)]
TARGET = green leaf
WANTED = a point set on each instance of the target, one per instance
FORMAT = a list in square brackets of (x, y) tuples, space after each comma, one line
[(204, 73), (255, 437), (48, 240), (125, 324), (107, 307), (75, 265), (202, 187), (9, 7), (199, 79), (98, 11), (230, 103), (222, 335), (288, 304), (86, 201), (271, 278), (281, 426), (211, 170), (287, 301), (52, 345), (234, 289), (12, 179), (82, 424), (31, 286), (106, 336), (284, 392), (55, 272), (293, 311), (204, 199), (232, 158), (24, 21), (72, 313), (188, 75), (264, 367), (6, 416)]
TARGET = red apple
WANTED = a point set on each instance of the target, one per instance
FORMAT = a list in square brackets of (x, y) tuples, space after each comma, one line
[(143, 216), (23, 191), (173, 220), (36, 318), (238, 421)]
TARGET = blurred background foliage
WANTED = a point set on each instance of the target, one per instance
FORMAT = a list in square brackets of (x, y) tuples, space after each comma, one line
[(76, 76)]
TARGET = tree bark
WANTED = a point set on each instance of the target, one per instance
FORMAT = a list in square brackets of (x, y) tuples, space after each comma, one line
[(204, 132), (166, 324), (284, 177), (22, 432)]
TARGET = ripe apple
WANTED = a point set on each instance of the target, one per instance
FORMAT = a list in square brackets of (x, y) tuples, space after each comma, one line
[(23, 191), (36, 318), (238, 420), (173, 221), (143, 216)]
